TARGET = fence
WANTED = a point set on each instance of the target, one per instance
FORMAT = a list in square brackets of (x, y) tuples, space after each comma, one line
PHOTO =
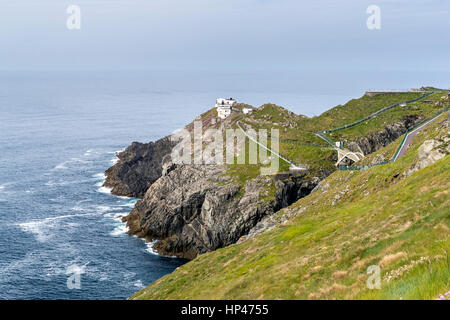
[(364, 167), (378, 112), (437, 114), (305, 144), (394, 158)]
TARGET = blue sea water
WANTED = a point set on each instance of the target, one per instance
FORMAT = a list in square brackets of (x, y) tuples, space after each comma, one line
[(59, 131)]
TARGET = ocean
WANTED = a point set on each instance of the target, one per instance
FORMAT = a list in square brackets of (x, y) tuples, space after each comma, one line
[(59, 131)]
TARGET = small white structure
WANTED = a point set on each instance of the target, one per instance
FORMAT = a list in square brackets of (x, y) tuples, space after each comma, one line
[(224, 107), (339, 144), (247, 110)]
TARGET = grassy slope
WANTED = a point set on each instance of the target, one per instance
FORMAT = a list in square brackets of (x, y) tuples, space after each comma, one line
[(360, 219), (300, 129), (390, 116), (354, 110)]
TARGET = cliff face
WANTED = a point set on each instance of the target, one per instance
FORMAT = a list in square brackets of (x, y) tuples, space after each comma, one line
[(195, 209), (192, 209), (390, 133), (139, 166)]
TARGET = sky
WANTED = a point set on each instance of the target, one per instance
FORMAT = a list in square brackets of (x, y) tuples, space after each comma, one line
[(225, 34)]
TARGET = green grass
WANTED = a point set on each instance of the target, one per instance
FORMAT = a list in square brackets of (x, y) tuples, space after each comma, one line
[(356, 219), (353, 110), (396, 114), (297, 143)]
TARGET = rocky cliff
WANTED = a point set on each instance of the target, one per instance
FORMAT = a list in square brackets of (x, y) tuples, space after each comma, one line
[(382, 138), (195, 209), (191, 209), (139, 166)]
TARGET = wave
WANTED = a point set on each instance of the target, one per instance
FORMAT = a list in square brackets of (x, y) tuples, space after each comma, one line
[(99, 176), (52, 183), (138, 284), (152, 251), (120, 230), (40, 228), (115, 215), (130, 204), (105, 190), (61, 166), (64, 165)]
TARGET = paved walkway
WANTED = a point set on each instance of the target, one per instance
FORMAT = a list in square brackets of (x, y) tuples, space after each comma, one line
[(410, 136)]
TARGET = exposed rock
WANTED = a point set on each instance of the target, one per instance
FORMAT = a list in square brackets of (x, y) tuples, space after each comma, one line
[(390, 133), (139, 166), (192, 209), (429, 152), (378, 158), (190, 212)]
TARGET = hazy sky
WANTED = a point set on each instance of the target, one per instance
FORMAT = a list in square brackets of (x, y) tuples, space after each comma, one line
[(225, 34)]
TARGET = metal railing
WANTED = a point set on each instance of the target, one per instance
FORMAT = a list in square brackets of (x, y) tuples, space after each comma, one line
[(417, 126), (405, 136), (378, 112)]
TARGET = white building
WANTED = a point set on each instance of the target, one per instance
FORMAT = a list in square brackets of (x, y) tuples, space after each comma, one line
[(247, 110), (224, 107)]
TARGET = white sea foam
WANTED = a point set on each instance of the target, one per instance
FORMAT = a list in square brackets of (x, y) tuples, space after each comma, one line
[(115, 216), (41, 229), (139, 284), (103, 209), (130, 204), (64, 165), (119, 230), (150, 249), (61, 166), (52, 183), (100, 175), (105, 190)]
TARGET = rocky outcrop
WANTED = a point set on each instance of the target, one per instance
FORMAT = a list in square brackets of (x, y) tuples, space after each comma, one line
[(432, 150), (192, 209), (377, 140), (196, 209), (139, 166), (295, 188)]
